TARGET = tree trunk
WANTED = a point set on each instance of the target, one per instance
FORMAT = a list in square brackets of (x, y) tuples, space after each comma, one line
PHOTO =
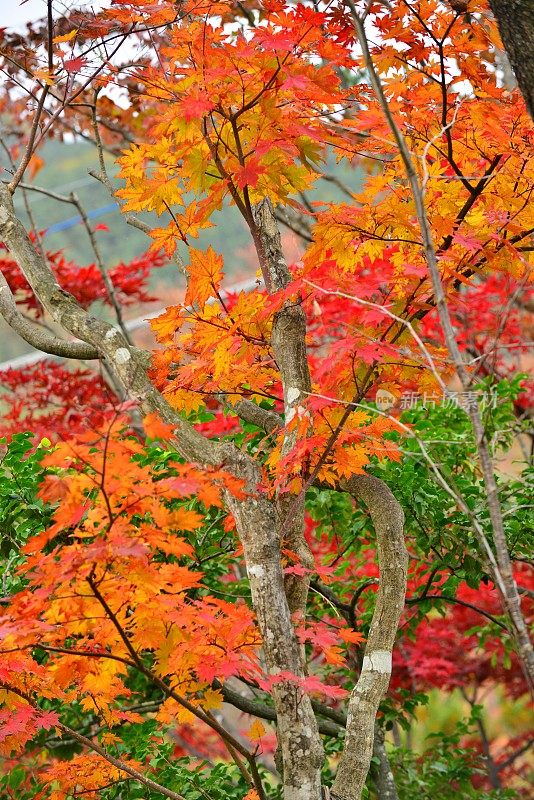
[(382, 774), (299, 742), (515, 19), (388, 521)]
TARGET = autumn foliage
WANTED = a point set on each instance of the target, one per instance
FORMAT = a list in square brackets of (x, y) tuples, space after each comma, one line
[(128, 627)]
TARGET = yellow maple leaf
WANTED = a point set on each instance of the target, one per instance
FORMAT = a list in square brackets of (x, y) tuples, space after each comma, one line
[(167, 323), (164, 652), (44, 76), (185, 519), (211, 699), (165, 238), (160, 192), (350, 461), (168, 711), (350, 635), (109, 738), (183, 400), (256, 731), (334, 655), (66, 37)]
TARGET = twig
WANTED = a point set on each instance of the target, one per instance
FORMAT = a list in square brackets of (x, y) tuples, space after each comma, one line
[(414, 600), (110, 289), (17, 177)]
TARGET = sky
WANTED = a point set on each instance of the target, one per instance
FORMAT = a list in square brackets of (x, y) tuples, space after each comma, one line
[(14, 13)]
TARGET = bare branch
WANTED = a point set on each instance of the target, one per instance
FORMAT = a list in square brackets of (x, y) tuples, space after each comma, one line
[(294, 222), (110, 289), (388, 520), (414, 600), (21, 169), (38, 337)]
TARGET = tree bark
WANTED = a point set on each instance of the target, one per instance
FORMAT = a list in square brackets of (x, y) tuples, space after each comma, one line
[(388, 521), (382, 774), (299, 741), (300, 751), (38, 337), (515, 19), (288, 342)]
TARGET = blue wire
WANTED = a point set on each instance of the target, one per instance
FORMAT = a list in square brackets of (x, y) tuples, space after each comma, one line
[(72, 221)]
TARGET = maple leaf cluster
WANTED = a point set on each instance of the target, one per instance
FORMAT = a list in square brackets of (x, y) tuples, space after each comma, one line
[(243, 118), (54, 400), (113, 587), (215, 346), (451, 656), (86, 283), (107, 581), (492, 321)]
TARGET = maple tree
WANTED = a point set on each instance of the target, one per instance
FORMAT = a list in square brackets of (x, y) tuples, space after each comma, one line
[(239, 520)]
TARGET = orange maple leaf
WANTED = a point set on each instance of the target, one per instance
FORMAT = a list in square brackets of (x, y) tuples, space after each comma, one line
[(205, 275), (155, 428), (167, 323)]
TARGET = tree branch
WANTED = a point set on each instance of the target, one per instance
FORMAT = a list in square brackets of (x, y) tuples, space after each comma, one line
[(415, 600), (298, 735), (38, 337), (110, 289), (19, 173), (268, 421), (263, 711), (383, 777), (388, 520), (126, 362), (288, 341)]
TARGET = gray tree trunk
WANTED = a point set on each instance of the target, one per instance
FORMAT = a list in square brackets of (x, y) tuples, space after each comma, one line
[(515, 19)]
